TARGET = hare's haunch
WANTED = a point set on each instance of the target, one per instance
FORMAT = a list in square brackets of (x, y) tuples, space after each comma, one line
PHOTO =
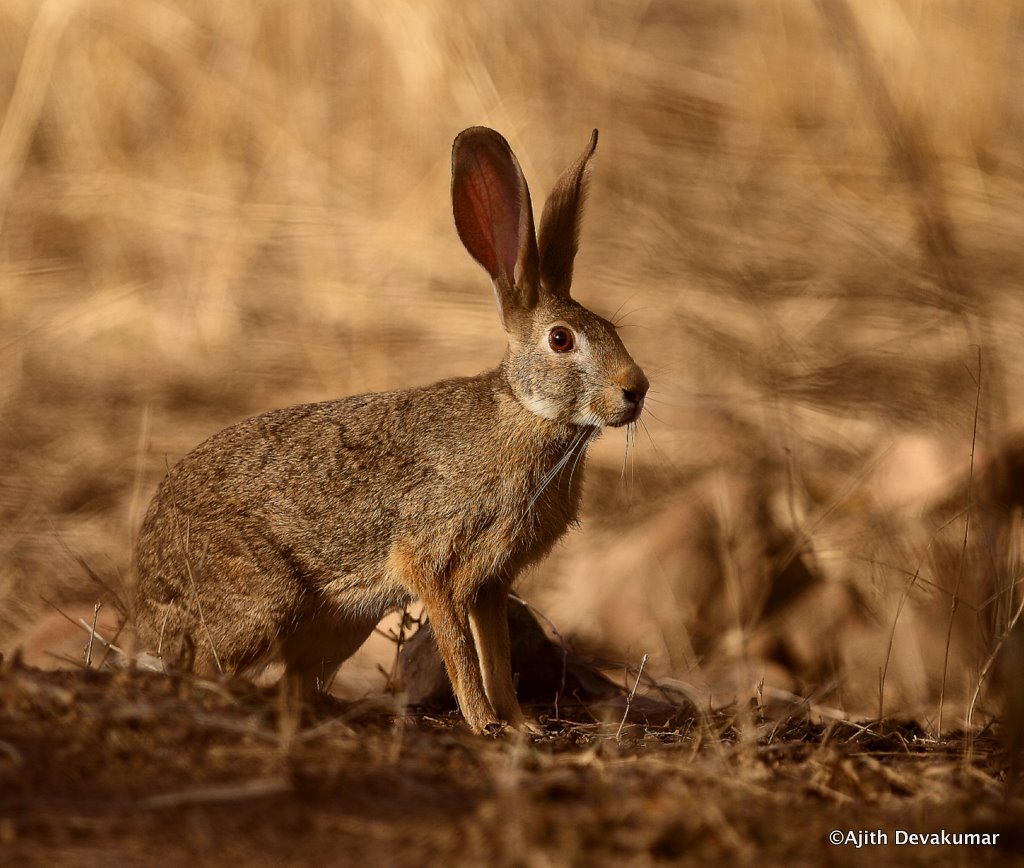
[(290, 535)]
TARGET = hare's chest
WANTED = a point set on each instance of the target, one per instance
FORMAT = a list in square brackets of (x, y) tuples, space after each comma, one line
[(497, 533), (549, 507), (554, 499), (509, 544)]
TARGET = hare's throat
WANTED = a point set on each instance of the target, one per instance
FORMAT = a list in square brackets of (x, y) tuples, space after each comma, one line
[(546, 408), (551, 410), (543, 415)]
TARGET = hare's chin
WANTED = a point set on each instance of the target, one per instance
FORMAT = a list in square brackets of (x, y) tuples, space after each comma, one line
[(627, 417)]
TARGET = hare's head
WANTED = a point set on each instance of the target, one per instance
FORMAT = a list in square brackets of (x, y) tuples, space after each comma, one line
[(564, 362)]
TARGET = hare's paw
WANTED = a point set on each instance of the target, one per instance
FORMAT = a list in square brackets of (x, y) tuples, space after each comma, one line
[(529, 727), (509, 723), (480, 717), (524, 727), (514, 719)]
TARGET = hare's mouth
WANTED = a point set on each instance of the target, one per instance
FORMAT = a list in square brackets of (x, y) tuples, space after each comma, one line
[(627, 418), (633, 406), (616, 410)]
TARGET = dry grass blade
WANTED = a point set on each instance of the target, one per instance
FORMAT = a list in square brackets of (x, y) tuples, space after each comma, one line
[(968, 508), (260, 788), (25, 107), (986, 667), (630, 696)]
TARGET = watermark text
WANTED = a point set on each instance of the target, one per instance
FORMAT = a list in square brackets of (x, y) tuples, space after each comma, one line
[(858, 838)]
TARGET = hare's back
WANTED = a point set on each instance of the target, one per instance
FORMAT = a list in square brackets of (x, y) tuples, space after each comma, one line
[(295, 458)]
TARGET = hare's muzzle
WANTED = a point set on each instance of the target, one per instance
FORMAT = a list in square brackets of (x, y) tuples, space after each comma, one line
[(634, 385)]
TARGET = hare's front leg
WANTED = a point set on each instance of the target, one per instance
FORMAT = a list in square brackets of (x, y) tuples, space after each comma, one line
[(450, 619), (489, 617)]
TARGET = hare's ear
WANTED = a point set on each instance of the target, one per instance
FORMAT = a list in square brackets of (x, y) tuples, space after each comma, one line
[(560, 224), (494, 218)]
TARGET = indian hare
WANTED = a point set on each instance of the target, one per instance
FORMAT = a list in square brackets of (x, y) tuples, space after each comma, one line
[(291, 534)]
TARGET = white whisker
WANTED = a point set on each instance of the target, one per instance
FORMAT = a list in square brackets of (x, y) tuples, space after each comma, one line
[(550, 475), (661, 454), (632, 458), (594, 431), (629, 459), (625, 454)]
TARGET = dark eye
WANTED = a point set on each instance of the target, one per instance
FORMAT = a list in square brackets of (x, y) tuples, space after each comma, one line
[(560, 339)]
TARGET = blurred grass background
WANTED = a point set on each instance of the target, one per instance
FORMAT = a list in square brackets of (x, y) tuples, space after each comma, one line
[(809, 217)]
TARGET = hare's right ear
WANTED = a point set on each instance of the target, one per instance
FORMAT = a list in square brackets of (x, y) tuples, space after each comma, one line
[(494, 218)]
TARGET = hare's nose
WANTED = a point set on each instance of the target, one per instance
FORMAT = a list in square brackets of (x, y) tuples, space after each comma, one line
[(632, 397), (634, 384)]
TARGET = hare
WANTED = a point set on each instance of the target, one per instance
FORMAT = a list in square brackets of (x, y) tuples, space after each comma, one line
[(291, 534)]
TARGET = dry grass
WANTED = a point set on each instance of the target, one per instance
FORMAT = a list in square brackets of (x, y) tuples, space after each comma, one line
[(807, 216)]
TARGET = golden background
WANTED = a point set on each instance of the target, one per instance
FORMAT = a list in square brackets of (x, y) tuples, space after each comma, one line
[(807, 216)]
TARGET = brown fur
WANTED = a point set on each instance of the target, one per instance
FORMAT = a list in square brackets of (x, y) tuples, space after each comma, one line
[(292, 533)]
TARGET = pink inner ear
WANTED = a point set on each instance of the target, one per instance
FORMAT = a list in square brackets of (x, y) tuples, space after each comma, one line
[(486, 202)]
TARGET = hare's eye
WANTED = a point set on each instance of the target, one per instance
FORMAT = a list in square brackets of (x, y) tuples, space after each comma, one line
[(560, 339)]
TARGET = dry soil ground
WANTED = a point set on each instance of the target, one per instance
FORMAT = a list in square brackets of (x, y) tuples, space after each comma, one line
[(131, 768)]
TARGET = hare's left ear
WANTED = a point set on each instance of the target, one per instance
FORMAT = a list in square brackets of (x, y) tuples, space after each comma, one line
[(559, 236)]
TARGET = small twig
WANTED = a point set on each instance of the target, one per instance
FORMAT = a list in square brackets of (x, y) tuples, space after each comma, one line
[(92, 634), (400, 641), (629, 699), (90, 629)]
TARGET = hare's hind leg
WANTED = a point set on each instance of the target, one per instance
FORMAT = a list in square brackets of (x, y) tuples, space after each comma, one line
[(489, 618), (192, 631), (320, 643)]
